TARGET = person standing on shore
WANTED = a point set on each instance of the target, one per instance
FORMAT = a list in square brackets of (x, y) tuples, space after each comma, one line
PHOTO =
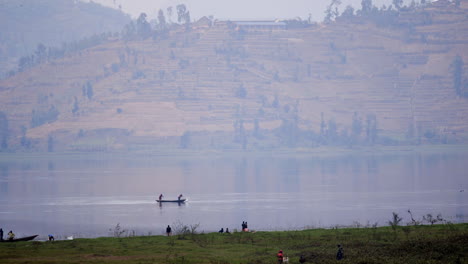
[(1, 234), (280, 256), (168, 230)]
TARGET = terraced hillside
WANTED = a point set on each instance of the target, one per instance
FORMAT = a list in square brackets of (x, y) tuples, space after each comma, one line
[(251, 86)]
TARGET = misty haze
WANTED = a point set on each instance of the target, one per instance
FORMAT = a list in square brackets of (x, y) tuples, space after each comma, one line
[(290, 116)]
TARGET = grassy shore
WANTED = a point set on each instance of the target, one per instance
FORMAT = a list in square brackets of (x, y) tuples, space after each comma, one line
[(412, 244)]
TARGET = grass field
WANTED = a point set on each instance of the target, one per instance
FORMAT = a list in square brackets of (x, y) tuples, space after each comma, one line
[(445, 243)]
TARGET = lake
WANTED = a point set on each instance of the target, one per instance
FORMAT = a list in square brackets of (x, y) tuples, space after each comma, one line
[(87, 196)]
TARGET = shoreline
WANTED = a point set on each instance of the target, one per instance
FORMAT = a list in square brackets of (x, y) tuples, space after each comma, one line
[(441, 243)]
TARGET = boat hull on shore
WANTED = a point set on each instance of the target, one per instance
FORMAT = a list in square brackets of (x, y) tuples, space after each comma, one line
[(20, 239)]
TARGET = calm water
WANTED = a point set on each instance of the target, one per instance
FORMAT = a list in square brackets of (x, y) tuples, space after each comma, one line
[(86, 197)]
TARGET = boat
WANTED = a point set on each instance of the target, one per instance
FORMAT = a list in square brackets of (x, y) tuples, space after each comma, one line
[(172, 201), (20, 239)]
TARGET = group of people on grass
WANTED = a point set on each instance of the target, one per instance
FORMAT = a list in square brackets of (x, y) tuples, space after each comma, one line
[(302, 259)]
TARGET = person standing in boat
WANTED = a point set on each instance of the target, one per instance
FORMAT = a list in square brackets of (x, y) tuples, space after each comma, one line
[(160, 197), (179, 197), (11, 235)]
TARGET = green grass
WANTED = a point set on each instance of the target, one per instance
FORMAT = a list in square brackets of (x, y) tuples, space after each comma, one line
[(414, 244)]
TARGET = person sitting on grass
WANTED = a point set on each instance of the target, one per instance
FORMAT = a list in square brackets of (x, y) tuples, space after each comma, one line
[(51, 238)]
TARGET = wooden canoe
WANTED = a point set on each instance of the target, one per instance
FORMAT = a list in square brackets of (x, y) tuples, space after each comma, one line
[(20, 239), (172, 201)]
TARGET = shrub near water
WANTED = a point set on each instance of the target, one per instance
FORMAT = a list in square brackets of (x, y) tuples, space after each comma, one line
[(421, 244)]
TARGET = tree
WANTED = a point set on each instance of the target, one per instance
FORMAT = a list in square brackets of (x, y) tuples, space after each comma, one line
[(348, 12), (75, 106), (169, 14), (323, 126), (457, 69), (41, 53), (88, 90), (398, 4), (241, 92), (50, 143), (183, 14), (371, 128), (332, 10), (356, 126), (185, 140), (129, 32), (143, 28), (161, 19), (3, 131), (366, 7), (181, 10)]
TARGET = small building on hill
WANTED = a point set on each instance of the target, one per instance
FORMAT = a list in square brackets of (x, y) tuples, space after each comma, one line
[(203, 22)]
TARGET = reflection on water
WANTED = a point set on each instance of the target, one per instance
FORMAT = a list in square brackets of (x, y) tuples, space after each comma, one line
[(87, 197)]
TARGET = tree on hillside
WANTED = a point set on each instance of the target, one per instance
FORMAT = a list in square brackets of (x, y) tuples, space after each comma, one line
[(457, 69), (50, 143), (183, 15), (41, 53), (398, 4), (3, 131), (371, 129), (366, 7), (348, 12), (129, 31), (356, 127), (185, 140), (143, 28), (169, 14), (88, 90), (161, 19), (331, 13), (181, 10)]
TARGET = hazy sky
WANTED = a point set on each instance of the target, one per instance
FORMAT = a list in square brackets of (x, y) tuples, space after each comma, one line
[(236, 9)]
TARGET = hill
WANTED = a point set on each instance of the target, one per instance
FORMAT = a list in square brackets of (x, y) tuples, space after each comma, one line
[(53, 23), (253, 85)]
